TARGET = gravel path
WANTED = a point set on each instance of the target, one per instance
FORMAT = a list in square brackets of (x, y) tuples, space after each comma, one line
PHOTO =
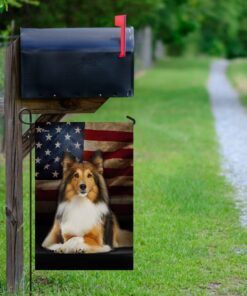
[(231, 128)]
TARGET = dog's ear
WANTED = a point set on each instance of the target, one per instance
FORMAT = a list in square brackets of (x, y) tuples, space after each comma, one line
[(97, 161), (68, 161)]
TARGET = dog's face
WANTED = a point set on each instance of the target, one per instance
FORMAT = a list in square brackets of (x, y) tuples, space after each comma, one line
[(81, 179)]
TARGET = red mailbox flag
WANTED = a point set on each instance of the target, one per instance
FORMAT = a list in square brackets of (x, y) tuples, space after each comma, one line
[(120, 21)]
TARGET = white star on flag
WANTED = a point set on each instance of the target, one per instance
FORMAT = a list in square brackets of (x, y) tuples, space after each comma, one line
[(77, 130), (56, 159), (46, 167), (77, 145), (67, 137), (38, 129), (38, 145), (48, 137), (47, 152), (55, 174), (58, 129), (36, 174), (57, 145), (37, 160)]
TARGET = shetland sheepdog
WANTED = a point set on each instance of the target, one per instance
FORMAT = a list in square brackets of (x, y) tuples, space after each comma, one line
[(84, 222)]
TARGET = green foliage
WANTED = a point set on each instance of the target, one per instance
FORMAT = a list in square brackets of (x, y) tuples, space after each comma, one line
[(217, 28), (78, 13), (20, 3), (15, 3), (3, 5), (176, 20)]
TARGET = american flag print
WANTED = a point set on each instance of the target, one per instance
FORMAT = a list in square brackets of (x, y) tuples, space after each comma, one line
[(114, 139), (51, 141)]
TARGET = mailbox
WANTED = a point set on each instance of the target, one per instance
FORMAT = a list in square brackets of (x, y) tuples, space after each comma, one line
[(76, 63)]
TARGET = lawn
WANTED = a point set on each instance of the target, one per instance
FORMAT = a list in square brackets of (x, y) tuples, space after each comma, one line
[(188, 239), (237, 72)]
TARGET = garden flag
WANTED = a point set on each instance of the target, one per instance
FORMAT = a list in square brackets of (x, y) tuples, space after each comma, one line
[(84, 195)]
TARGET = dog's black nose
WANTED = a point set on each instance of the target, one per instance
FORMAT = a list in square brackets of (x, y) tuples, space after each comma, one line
[(82, 187)]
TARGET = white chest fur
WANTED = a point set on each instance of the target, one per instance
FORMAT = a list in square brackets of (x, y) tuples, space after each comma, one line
[(80, 215)]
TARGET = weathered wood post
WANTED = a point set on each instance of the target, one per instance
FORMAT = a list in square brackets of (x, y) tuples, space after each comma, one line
[(17, 148), (14, 204)]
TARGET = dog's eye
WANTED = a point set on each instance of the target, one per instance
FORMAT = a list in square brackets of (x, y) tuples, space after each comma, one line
[(76, 175), (89, 175)]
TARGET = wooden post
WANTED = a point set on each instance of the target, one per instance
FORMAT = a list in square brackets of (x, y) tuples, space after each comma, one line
[(14, 204), (16, 148)]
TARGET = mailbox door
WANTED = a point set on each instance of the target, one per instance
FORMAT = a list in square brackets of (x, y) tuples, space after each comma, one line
[(76, 63)]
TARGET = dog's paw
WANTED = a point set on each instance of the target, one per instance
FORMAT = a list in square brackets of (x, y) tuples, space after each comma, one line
[(59, 250), (72, 246), (54, 247), (103, 249)]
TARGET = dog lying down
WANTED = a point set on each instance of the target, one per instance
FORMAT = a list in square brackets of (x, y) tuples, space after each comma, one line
[(84, 222)]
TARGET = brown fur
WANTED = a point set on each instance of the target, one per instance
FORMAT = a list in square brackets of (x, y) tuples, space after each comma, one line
[(67, 236), (95, 236), (54, 235), (82, 173)]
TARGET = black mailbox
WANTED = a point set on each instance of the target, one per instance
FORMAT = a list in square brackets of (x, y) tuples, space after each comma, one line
[(76, 63)]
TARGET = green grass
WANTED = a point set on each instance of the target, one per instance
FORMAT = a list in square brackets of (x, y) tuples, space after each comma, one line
[(187, 229), (237, 72)]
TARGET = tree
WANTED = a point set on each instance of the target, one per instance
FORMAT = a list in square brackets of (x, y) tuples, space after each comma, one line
[(209, 26), (83, 13), (214, 27), (16, 3), (176, 20), (219, 26), (3, 5)]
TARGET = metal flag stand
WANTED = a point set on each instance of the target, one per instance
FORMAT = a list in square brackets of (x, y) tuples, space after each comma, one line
[(29, 136), (132, 119), (26, 111)]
